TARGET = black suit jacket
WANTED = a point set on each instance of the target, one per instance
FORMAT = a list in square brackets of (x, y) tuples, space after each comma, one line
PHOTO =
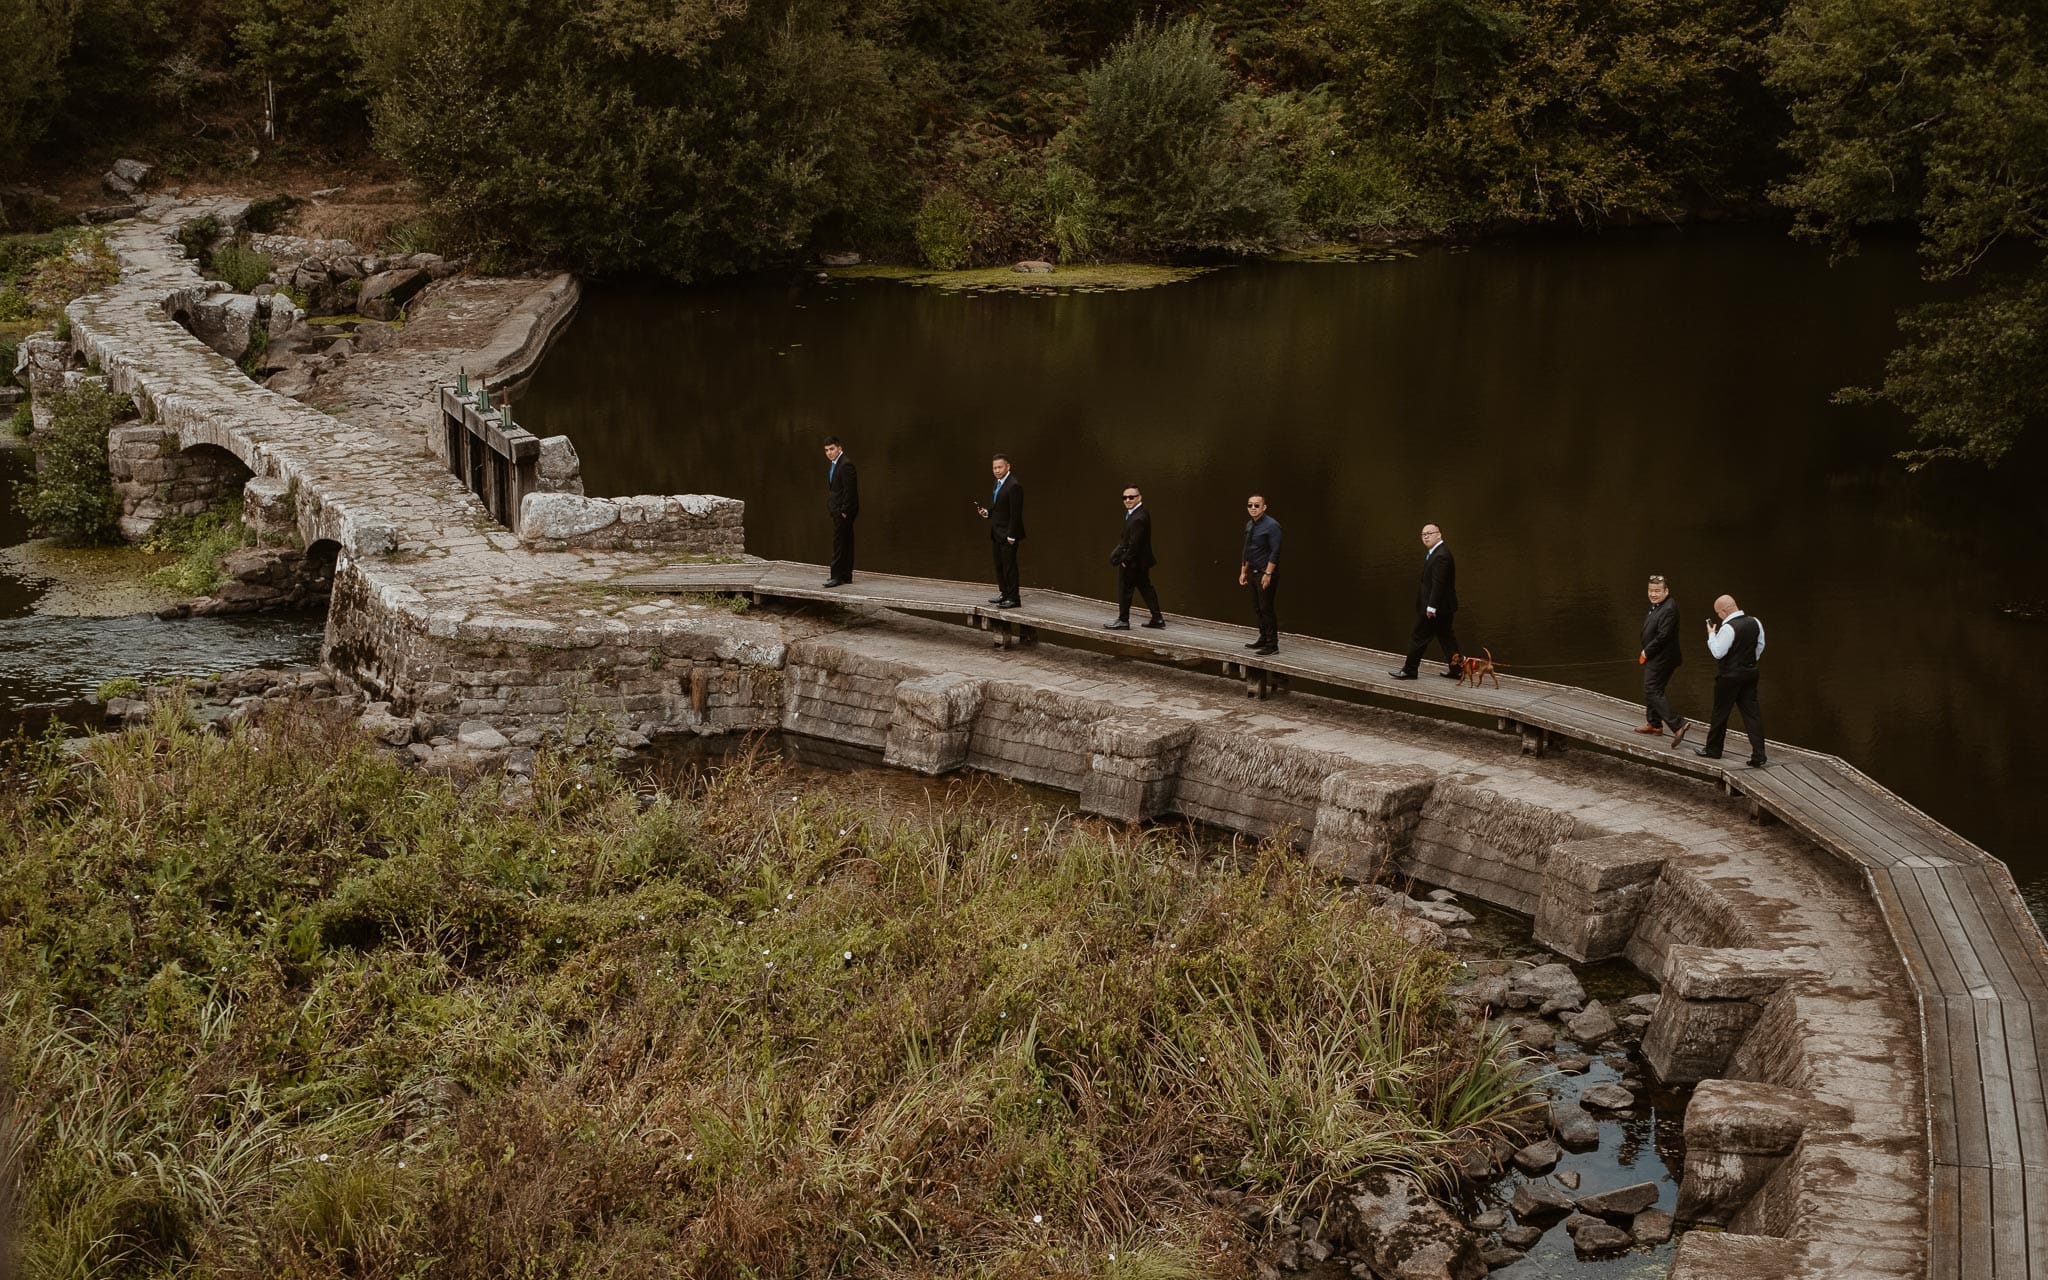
[(842, 489), (1438, 589), (1660, 634), (1006, 514), (1134, 549)]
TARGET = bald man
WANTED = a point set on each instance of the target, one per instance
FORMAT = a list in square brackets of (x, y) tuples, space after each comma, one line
[(1436, 607), (1737, 642)]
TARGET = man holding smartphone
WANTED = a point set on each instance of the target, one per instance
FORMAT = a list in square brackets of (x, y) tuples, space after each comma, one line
[(1737, 642), (1005, 516)]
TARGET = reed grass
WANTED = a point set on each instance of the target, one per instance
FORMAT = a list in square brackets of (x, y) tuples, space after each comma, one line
[(280, 1006)]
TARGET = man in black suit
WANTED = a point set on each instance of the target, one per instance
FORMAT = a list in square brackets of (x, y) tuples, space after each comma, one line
[(1005, 516), (1436, 607), (1660, 657), (1255, 568), (842, 503), (1737, 642), (1133, 560)]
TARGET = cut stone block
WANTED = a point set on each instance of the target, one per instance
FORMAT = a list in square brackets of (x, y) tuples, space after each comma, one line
[(1736, 1133), (1366, 817), (1133, 764), (933, 723), (1595, 890), (1712, 997)]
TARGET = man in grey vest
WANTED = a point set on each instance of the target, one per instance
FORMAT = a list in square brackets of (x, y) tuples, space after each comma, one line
[(1737, 642)]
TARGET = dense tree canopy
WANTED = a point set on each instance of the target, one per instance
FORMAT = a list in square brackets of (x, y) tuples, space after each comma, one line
[(695, 137)]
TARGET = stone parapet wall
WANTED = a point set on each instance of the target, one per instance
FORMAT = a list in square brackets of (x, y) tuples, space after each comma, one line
[(695, 523)]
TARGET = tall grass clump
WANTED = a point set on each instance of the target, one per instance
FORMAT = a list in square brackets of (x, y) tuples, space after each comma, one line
[(282, 1006), (200, 543)]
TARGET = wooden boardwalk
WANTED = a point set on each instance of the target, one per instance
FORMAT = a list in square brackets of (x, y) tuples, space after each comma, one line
[(1977, 962)]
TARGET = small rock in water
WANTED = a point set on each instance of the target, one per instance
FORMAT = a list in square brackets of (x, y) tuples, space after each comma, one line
[(1608, 1097), (1490, 1220), (1521, 1236), (1592, 1025), (1538, 1156), (1567, 1178), (1500, 1256), (1033, 266), (1644, 1003), (1444, 913), (1441, 895), (1540, 1202), (1594, 1238), (1533, 1035), (1574, 1127), (1622, 1202), (1651, 1226), (1572, 1063)]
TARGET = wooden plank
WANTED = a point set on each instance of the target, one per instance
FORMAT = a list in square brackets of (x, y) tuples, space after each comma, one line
[(1974, 1224), (1791, 793), (1945, 1224), (2008, 1245)]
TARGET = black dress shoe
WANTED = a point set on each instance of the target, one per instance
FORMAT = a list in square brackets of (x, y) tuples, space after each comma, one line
[(1705, 754), (1402, 675), (1255, 644), (1118, 625), (995, 599), (1265, 649), (1758, 763), (1157, 624), (1010, 604), (832, 582), (1452, 674)]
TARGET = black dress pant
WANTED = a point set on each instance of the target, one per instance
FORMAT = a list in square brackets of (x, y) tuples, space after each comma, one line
[(1131, 578), (1006, 567), (1731, 693), (842, 548), (1656, 706), (1264, 609), (1426, 630)]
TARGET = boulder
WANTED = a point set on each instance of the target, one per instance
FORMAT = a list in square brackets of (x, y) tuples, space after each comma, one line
[(1540, 1203), (479, 736), (1591, 1025), (1651, 1226), (1402, 1234), (1622, 1202), (557, 517), (384, 293), (1034, 266), (379, 723), (558, 468), (373, 335), (1547, 988), (127, 177)]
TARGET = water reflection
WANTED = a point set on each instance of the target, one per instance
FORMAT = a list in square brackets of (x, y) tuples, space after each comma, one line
[(1575, 414)]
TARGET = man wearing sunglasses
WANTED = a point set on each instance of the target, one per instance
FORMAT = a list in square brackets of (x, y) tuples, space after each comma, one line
[(1255, 570), (1133, 559)]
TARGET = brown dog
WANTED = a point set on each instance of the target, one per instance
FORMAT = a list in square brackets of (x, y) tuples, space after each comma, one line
[(1473, 670)]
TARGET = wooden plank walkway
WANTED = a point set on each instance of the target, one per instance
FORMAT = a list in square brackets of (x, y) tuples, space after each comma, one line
[(1977, 961)]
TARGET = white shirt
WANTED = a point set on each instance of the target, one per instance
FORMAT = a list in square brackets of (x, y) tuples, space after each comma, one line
[(1722, 638)]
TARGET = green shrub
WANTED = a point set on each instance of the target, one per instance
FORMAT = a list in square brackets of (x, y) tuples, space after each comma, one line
[(269, 213), (23, 423), (198, 235), (242, 267), (71, 496), (1180, 158), (19, 254), (945, 230), (118, 687), (62, 332), (200, 543), (15, 306)]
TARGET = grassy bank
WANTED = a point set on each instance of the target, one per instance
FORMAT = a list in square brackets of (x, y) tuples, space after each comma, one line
[(282, 1006)]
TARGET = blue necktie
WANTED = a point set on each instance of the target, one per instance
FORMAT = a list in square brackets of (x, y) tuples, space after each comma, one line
[(997, 493), (831, 471)]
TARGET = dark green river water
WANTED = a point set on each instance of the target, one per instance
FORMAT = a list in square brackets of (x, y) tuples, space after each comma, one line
[(1575, 414)]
